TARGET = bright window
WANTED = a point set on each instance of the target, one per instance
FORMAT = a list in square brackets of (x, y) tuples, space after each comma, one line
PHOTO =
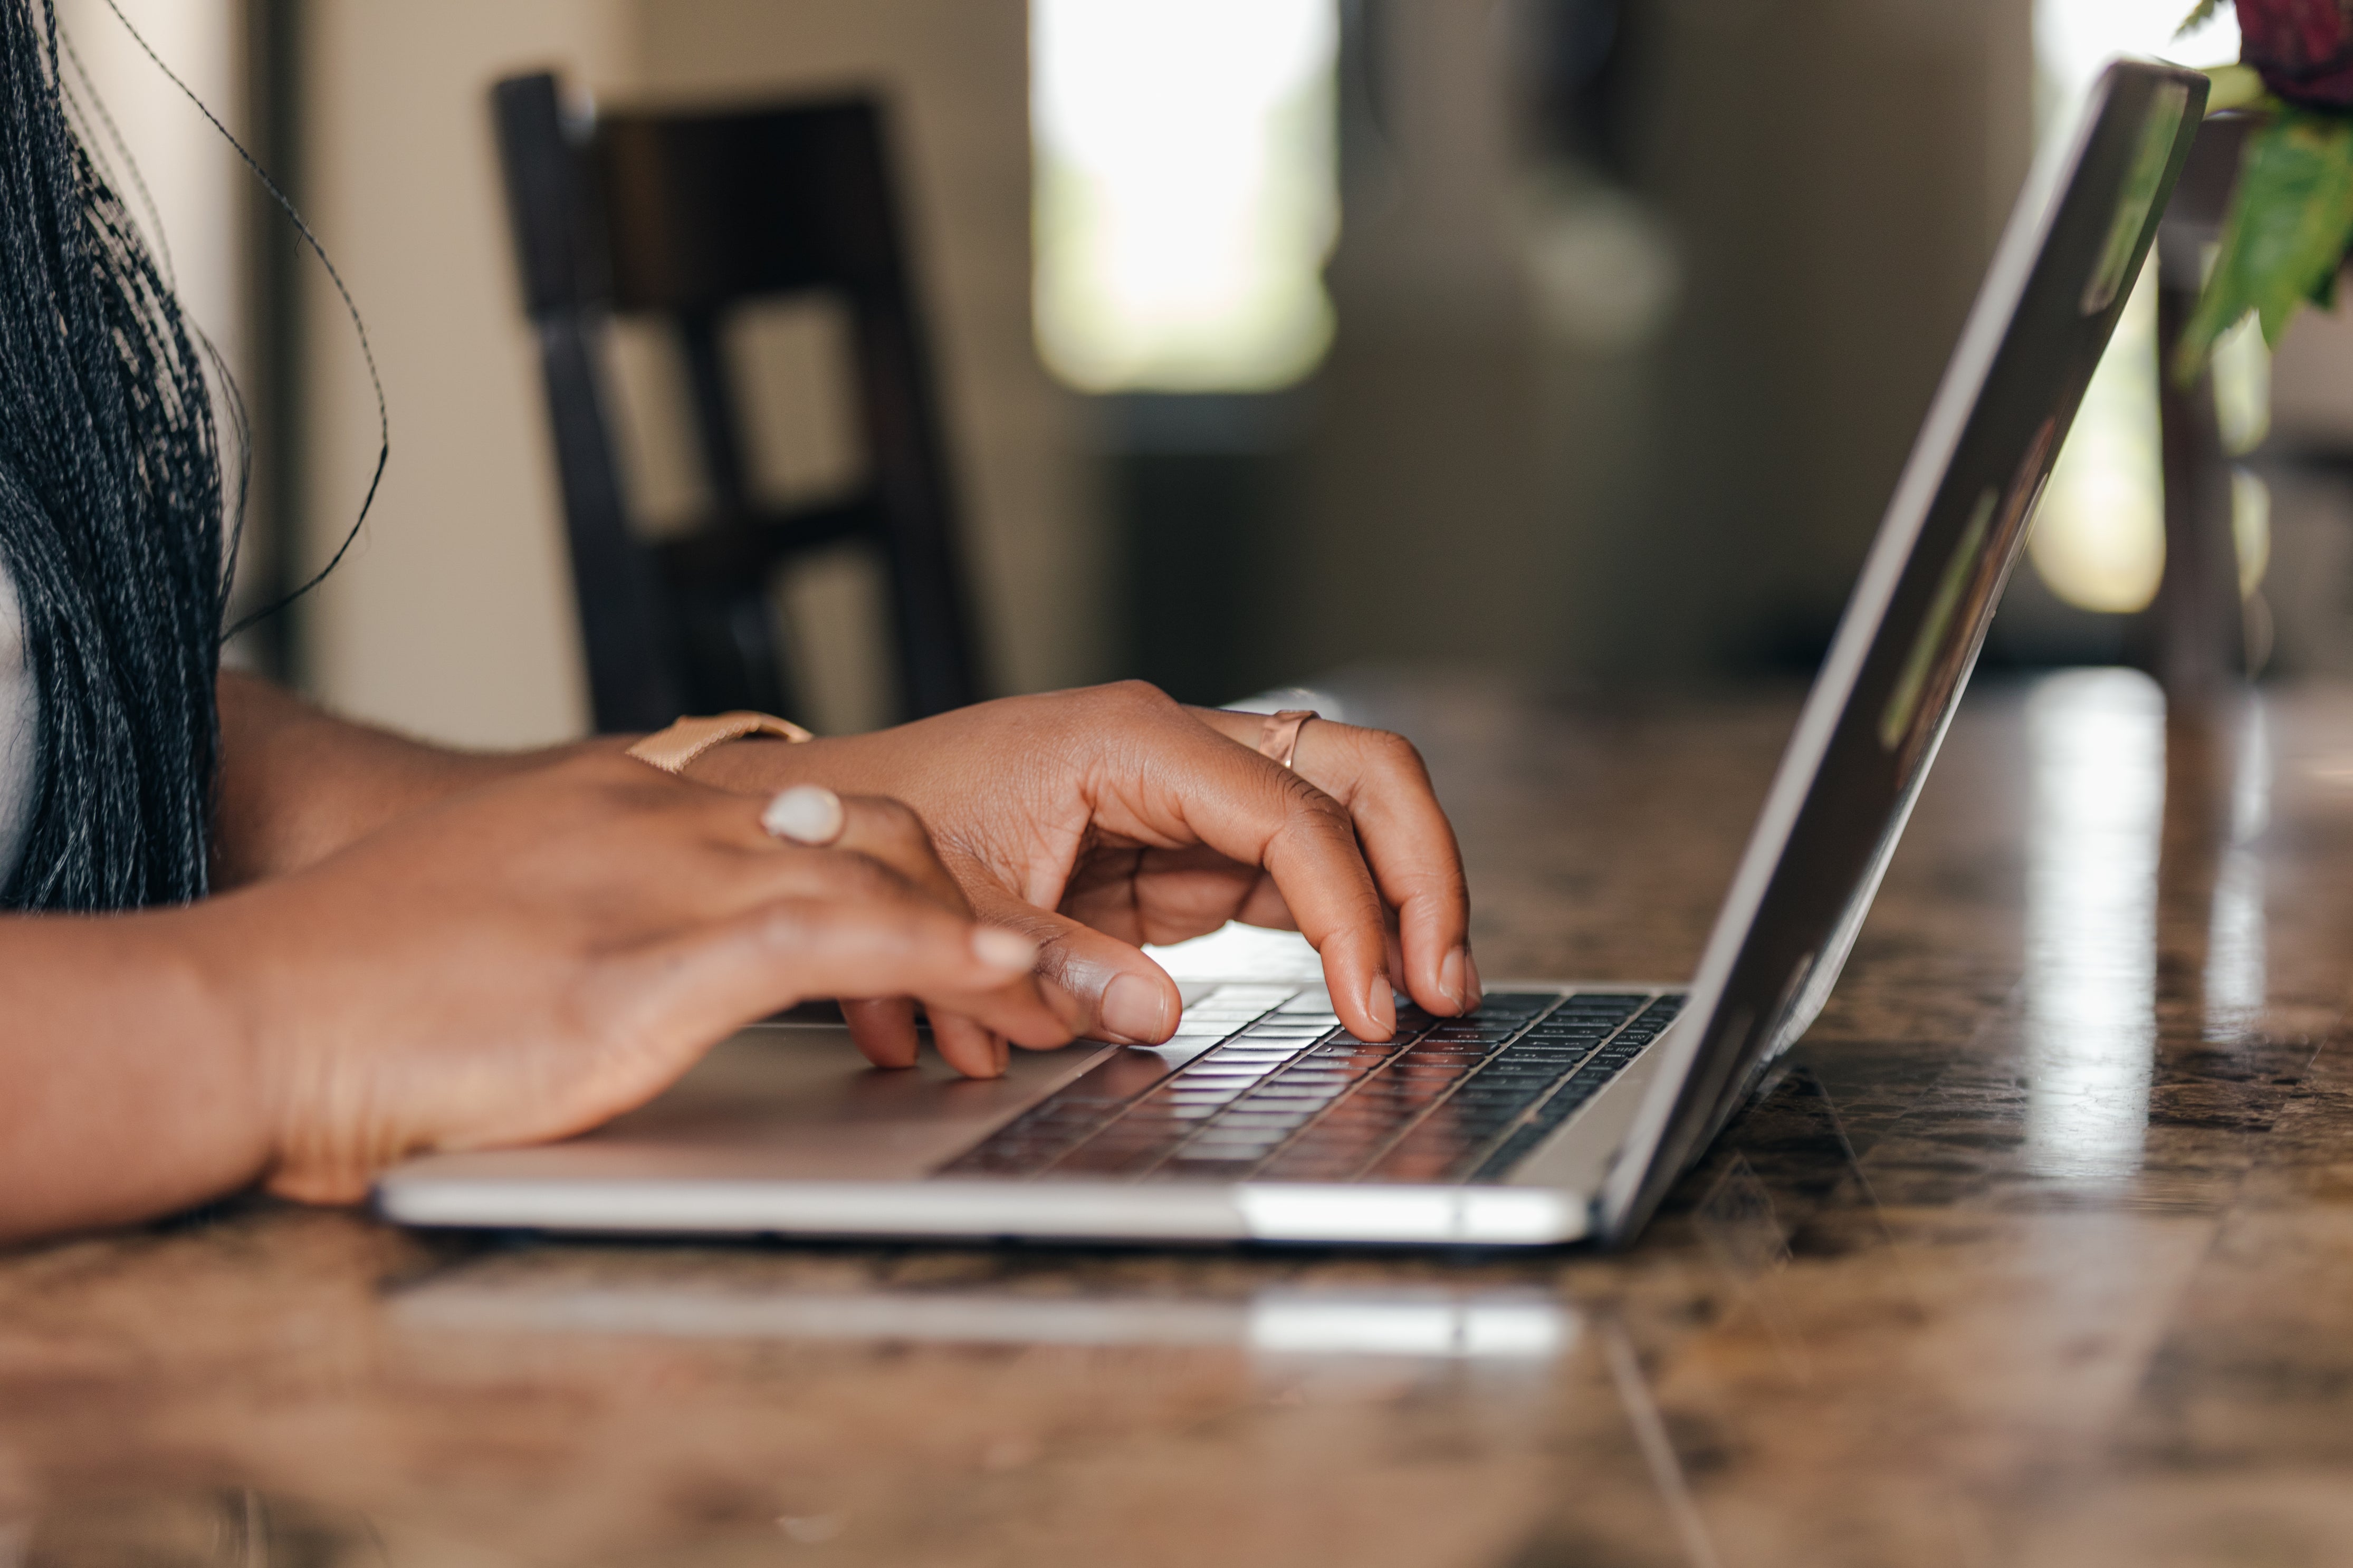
[(2099, 534), (1187, 194)]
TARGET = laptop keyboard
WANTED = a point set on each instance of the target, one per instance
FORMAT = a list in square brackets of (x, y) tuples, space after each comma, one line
[(1261, 1083)]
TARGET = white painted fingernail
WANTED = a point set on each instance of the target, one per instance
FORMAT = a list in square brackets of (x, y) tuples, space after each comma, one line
[(805, 814), (1002, 949)]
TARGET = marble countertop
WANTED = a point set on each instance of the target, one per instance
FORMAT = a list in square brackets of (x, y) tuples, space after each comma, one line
[(2039, 1251)]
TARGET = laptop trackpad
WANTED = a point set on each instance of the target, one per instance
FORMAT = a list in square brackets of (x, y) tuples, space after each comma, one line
[(785, 1102)]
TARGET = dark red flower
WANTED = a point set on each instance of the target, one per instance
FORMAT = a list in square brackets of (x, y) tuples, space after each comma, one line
[(2303, 47)]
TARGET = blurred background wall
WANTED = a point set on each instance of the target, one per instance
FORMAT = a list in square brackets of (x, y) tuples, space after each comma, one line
[(452, 618), (1578, 339)]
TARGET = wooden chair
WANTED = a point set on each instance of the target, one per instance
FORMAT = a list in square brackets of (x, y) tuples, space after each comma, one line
[(688, 217)]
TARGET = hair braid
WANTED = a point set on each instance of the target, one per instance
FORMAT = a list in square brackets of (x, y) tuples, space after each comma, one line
[(112, 515)]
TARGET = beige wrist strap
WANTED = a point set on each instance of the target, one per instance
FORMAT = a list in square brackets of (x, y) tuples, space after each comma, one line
[(671, 750)]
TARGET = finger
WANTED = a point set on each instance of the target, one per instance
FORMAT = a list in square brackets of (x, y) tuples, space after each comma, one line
[(676, 995), (972, 1049), (1264, 907), (1209, 787), (882, 852), (1382, 781), (885, 831), (1101, 988), (883, 1029), (1406, 840), (1169, 895), (747, 868)]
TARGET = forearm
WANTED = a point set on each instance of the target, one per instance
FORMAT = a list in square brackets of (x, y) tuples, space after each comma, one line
[(298, 784), (127, 1089)]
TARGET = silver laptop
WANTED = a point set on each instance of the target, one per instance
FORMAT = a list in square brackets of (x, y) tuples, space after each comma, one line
[(1561, 1112)]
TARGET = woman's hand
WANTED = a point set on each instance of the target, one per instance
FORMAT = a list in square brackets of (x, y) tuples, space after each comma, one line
[(1093, 820), (526, 960), (1089, 819)]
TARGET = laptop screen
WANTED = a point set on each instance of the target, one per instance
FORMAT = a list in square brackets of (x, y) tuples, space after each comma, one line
[(1911, 630)]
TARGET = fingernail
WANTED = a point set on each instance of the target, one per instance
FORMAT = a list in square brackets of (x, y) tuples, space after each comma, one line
[(1380, 1001), (1471, 968), (1133, 1006), (1001, 1053), (1002, 949), (1452, 971), (805, 814)]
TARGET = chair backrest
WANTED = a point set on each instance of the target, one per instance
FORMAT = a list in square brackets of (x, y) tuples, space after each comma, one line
[(689, 216)]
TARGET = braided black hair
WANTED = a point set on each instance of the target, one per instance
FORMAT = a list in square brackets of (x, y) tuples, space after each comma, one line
[(112, 517)]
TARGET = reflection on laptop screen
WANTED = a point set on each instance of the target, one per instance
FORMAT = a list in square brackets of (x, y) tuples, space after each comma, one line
[(1910, 634)]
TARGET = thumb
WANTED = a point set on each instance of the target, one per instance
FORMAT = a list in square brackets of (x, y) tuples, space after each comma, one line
[(1099, 986)]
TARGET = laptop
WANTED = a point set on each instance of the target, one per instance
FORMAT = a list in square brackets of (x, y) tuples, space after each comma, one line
[(1561, 1112)]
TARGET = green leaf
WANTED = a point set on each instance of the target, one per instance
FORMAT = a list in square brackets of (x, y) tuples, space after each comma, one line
[(2285, 236), (2198, 17)]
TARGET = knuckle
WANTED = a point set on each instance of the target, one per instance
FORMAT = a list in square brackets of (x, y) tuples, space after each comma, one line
[(853, 874), (806, 925), (1392, 751), (786, 925), (1136, 696), (882, 810), (902, 823), (877, 879), (1321, 809)]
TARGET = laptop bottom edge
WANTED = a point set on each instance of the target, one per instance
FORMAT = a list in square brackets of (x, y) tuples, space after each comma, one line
[(1362, 1214)]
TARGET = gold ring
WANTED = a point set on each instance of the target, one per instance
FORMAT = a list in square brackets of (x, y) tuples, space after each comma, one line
[(1279, 740)]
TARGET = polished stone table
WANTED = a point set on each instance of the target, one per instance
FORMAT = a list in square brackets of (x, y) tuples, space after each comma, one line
[(2040, 1252)]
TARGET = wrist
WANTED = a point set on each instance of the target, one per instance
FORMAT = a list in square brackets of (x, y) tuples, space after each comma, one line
[(209, 965), (127, 1088), (751, 764)]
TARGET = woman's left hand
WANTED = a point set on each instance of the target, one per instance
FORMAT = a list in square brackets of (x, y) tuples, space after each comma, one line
[(1097, 819)]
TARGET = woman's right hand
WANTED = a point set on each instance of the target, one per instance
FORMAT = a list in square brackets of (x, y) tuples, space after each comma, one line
[(529, 959)]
